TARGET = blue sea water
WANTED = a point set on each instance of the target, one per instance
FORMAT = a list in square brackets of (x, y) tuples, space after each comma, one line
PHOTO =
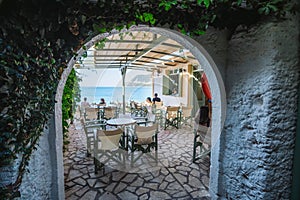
[(94, 94)]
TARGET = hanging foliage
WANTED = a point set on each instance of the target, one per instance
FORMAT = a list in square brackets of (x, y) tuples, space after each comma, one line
[(70, 97)]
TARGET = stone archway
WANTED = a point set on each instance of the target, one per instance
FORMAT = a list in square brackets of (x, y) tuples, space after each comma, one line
[(215, 82)]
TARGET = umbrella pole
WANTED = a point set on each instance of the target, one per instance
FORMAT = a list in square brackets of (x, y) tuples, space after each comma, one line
[(123, 71)]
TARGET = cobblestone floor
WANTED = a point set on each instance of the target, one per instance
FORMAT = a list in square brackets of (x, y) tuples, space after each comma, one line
[(174, 176)]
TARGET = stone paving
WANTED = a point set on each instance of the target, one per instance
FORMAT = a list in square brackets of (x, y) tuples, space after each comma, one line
[(174, 176)]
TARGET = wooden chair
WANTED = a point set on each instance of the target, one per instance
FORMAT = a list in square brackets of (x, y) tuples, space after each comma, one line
[(107, 148), (202, 139), (143, 139), (172, 117), (186, 116)]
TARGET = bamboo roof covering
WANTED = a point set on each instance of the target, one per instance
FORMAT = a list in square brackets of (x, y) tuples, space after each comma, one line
[(137, 50)]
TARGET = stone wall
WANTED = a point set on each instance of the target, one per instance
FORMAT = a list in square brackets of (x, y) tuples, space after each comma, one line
[(37, 182), (262, 79)]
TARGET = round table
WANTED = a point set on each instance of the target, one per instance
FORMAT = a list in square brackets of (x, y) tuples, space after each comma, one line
[(120, 122)]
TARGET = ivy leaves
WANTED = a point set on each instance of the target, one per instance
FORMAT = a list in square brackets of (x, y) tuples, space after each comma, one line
[(272, 6), (205, 2), (167, 4), (71, 95), (146, 17)]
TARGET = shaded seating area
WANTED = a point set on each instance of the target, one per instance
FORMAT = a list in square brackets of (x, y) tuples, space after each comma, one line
[(81, 180), (138, 134)]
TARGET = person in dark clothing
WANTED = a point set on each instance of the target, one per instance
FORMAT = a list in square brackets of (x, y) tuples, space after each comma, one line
[(156, 98)]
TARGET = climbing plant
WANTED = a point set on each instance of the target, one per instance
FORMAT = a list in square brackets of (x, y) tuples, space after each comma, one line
[(39, 37), (71, 96)]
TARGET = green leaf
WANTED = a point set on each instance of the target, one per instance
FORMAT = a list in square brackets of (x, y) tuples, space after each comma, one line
[(206, 3), (167, 4), (84, 55), (273, 8), (199, 32)]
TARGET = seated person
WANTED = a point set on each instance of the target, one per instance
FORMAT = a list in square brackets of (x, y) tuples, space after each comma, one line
[(102, 102), (156, 98), (148, 101)]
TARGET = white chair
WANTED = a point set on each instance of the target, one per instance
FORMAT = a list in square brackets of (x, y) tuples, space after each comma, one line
[(172, 117), (157, 110), (89, 127), (186, 116)]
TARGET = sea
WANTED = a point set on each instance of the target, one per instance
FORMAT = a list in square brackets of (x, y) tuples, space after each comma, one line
[(115, 94)]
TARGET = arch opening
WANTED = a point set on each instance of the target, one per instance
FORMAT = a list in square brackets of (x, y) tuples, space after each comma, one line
[(216, 86)]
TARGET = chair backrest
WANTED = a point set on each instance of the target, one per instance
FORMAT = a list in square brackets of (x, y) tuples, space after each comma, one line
[(133, 105), (186, 111), (109, 138), (144, 133), (90, 126), (172, 112), (158, 105), (110, 112), (91, 113)]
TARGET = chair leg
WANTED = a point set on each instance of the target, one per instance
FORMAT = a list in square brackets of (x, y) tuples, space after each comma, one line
[(195, 146), (95, 165), (88, 154)]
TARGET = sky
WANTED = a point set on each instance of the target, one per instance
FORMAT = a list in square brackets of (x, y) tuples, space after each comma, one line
[(105, 77)]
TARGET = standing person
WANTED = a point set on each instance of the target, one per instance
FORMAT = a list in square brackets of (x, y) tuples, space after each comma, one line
[(85, 103), (156, 98)]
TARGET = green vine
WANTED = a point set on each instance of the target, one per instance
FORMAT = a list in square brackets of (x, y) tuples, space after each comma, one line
[(70, 96), (38, 38)]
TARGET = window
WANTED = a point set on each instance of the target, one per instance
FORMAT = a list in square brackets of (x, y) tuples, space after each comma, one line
[(172, 82)]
